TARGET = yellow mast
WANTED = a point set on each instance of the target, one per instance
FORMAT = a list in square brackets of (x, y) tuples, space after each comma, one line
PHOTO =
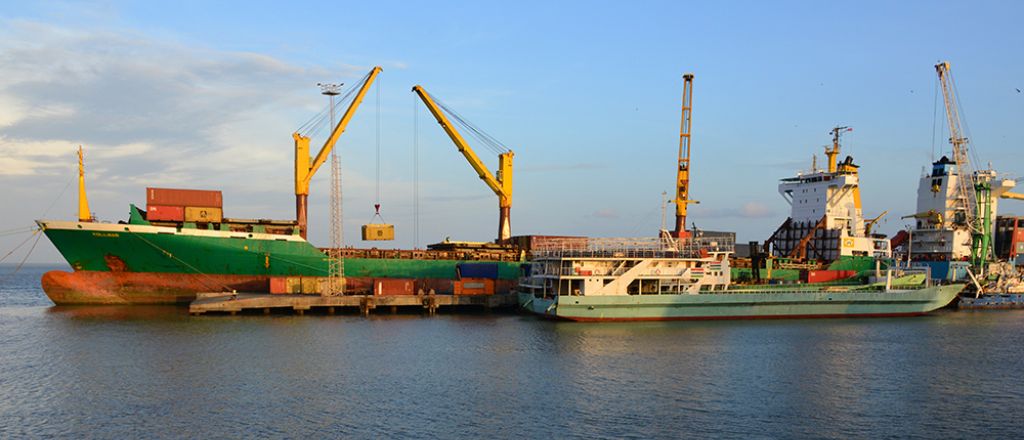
[(834, 151), (305, 167), (683, 172), (84, 215), (501, 185)]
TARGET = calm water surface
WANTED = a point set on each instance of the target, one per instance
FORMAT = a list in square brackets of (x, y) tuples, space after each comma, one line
[(145, 372)]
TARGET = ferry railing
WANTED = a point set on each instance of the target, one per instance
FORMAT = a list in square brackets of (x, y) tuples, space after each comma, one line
[(637, 248)]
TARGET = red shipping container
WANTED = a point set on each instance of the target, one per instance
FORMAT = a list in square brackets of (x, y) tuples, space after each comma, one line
[(165, 213), (183, 197), (824, 276), (394, 286)]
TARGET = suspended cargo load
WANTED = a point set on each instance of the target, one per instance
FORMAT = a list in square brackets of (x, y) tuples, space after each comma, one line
[(183, 197), (378, 232)]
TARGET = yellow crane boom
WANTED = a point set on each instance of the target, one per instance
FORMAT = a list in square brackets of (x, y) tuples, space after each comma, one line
[(1014, 196), (500, 184), (682, 198), (871, 223), (306, 167)]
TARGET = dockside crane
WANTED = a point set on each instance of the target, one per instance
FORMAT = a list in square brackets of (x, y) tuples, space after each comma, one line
[(306, 167), (501, 184), (682, 198), (973, 196)]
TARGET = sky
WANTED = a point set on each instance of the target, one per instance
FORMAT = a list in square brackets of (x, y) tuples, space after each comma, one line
[(206, 95)]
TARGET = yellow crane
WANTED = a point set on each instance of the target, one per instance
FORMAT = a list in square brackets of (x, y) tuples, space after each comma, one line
[(869, 224), (500, 184), (306, 167), (683, 172), (84, 215)]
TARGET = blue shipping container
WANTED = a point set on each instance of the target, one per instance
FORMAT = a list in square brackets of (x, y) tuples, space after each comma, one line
[(477, 270)]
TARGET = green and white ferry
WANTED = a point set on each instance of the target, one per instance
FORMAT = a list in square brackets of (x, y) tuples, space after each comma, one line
[(665, 279)]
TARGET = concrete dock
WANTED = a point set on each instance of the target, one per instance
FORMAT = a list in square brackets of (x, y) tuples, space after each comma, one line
[(365, 304)]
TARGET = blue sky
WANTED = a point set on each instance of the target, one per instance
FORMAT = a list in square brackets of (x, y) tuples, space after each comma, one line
[(206, 94)]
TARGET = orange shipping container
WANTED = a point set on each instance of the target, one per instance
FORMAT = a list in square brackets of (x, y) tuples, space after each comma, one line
[(279, 285), (474, 286), (183, 197)]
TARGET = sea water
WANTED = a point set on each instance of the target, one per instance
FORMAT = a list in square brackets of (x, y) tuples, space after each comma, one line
[(155, 372)]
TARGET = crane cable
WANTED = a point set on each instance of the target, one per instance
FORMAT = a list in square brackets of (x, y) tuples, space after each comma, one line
[(486, 139), (935, 117), (415, 172), (376, 204), (316, 124)]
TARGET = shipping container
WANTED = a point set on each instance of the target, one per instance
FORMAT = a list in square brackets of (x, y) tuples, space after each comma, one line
[(474, 286), (378, 232), (279, 285), (203, 214), (165, 213), (824, 276), (394, 286), (183, 197), (477, 270)]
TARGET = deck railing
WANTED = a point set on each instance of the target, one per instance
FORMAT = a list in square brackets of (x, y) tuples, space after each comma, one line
[(641, 247)]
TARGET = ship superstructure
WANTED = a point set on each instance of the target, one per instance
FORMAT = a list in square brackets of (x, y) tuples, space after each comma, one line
[(826, 219), (941, 231)]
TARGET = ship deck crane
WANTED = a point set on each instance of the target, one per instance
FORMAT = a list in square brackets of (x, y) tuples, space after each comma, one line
[(682, 198), (306, 167), (870, 224), (501, 184)]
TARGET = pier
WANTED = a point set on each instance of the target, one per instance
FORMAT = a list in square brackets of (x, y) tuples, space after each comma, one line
[(365, 304)]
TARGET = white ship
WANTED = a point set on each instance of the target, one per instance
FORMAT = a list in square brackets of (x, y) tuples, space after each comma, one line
[(826, 219)]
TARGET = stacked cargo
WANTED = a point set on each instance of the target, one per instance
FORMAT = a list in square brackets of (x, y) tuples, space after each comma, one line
[(184, 205), (548, 242)]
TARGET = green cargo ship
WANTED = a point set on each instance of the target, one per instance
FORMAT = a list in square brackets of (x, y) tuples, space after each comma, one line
[(636, 280), (143, 262)]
